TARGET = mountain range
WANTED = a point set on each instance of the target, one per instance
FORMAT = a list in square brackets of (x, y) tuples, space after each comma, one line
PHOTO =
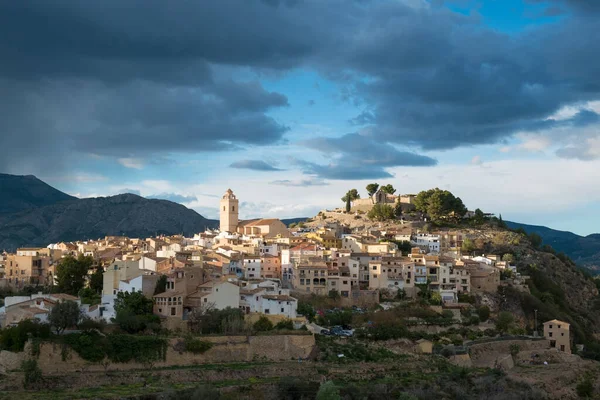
[(33, 213), (584, 250)]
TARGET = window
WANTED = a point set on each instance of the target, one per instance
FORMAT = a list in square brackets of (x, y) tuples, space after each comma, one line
[(232, 208), (223, 208), (559, 327), (562, 334), (550, 326), (173, 311), (266, 311), (281, 309), (549, 334), (374, 268)]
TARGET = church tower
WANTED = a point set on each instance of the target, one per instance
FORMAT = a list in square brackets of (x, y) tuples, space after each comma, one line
[(229, 212)]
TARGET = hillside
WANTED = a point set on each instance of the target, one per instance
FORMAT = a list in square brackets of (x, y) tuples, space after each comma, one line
[(81, 219), (24, 192), (584, 250)]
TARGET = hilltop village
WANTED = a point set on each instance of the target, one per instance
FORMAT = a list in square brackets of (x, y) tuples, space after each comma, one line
[(352, 272)]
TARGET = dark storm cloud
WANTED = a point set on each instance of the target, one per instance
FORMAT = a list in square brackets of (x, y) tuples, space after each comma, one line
[(144, 78), (255, 165), (356, 156)]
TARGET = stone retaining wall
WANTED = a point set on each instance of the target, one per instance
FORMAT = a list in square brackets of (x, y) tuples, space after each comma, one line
[(225, 349)]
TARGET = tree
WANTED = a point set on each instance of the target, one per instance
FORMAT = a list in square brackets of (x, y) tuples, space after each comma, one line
[(263, 324), (71, 273), (352, 195), (134, 312), (468, 245), (398, 210), (509, 258), (97, 280), (334, 294), (401, 295), (501, 222), (65, 314), (328, 391), (484, 313), (504, 321), (307, 310), (89, 296), (389, 189), (381, 212), (535, 239), (440, 205), (161, 285), (372, 188), (479, 216)]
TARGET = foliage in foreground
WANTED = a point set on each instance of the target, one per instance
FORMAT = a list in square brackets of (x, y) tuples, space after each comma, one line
[(117, 348)]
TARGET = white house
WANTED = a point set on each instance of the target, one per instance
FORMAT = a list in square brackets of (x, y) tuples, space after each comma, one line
[(219, 294), (252, 267), (432, 242)]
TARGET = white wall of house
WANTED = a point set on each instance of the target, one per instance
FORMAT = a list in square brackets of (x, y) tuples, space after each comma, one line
[(286, 308), (223, 295)]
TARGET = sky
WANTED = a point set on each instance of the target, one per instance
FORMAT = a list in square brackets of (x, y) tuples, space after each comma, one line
[(290, 103)]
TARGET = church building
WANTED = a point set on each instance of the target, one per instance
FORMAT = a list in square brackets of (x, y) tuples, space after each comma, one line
[(229, 218)]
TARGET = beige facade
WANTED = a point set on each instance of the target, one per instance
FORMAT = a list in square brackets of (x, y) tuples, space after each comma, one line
[(558, 333), (116, 272), (30, 269), (265, 228), (311, 278), (393, 273), (229, 211)]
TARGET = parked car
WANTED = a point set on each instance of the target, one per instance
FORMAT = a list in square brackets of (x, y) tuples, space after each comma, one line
[(325, 332), (339, 331)]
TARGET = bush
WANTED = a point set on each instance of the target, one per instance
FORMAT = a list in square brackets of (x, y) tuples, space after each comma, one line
[(263, 324), (292, 388), (328, 391), (287, 324), (505, 321), (585, 388), (484, 313), (32, 373), (307, 310), (197, 346), (13, 338), (88, 324), (93, 347)]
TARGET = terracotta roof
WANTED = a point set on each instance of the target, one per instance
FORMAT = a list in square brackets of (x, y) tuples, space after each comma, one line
[(556, 321)]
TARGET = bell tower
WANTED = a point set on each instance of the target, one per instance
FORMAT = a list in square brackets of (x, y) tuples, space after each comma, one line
[(229, 212)]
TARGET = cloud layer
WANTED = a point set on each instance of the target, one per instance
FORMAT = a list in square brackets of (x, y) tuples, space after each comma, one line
[(135, 80)]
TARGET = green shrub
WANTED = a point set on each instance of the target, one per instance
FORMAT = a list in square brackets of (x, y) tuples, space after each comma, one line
[(32, 373), (118, 348), (263, 324), (484, 313), (585, 388), (13, 338), (197, 346), (328, 391), (286, 324)]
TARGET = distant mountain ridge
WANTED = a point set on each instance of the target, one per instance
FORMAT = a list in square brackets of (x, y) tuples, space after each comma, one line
[(41, 215), (584, 250), (24, 192)]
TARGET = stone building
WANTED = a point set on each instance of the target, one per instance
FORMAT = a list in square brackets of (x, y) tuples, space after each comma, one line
[(558, 333)]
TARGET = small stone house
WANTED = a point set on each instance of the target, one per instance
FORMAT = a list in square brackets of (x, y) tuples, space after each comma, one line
[(557, 332)]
